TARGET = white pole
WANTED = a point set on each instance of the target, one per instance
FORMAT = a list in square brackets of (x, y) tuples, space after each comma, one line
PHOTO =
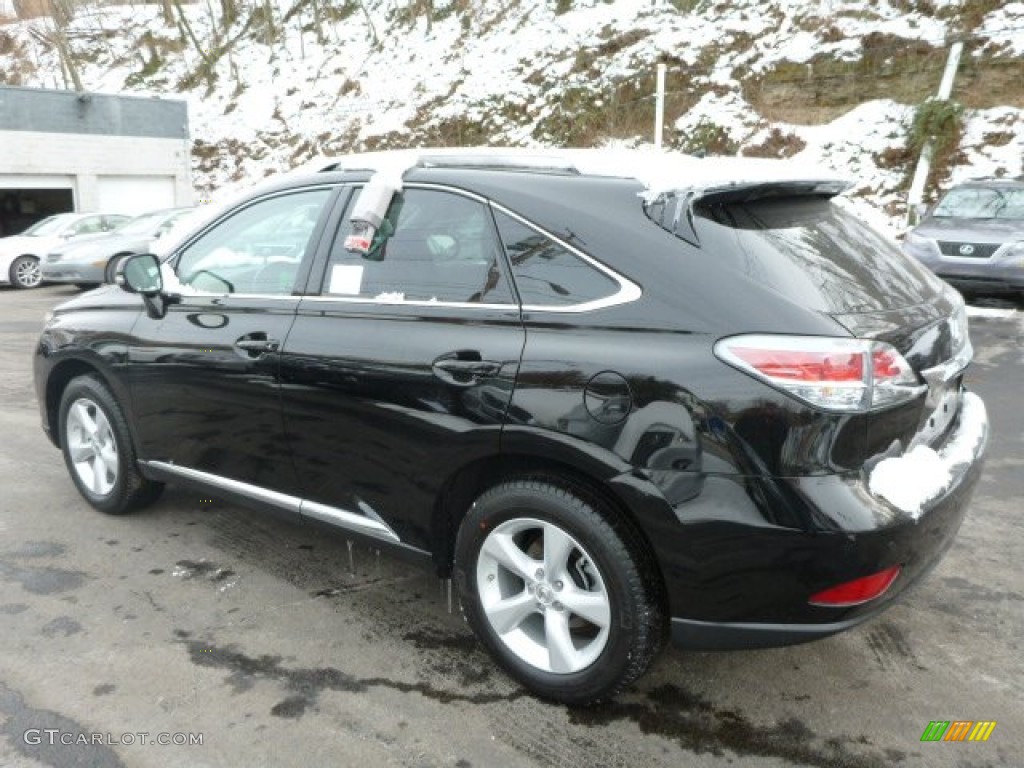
[(952, 63), (659, 108), (924, 163)]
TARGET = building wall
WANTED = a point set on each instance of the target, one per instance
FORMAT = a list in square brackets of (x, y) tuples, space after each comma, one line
[(87, 158), (95, 144)]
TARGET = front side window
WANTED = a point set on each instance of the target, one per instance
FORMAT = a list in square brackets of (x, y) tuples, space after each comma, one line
[(256, 250), (546, 273), (433, 246)]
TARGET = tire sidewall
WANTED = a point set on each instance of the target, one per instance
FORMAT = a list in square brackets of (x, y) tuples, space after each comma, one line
[(90, 389), (578, 520)]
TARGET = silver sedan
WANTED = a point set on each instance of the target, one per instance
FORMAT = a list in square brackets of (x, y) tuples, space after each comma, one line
[(95, 261)]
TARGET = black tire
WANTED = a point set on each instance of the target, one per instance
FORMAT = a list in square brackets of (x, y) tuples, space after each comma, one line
[(110, 478), (611, 568), (25, 272), (110, 271), (86, 286)]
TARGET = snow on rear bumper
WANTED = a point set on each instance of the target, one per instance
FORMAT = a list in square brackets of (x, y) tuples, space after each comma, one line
[(914, 481)]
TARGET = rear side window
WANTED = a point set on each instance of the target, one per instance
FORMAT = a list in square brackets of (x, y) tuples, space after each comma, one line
[(546, 273)]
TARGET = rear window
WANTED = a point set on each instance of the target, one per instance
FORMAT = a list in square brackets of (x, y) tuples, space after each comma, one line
[(807, 248)]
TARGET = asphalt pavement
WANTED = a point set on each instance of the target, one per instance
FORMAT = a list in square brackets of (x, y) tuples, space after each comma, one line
[(199, 621)]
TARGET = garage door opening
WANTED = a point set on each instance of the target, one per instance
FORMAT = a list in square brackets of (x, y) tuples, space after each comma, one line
[(21, 208)]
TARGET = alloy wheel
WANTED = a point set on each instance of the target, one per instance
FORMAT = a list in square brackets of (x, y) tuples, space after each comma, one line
[(543, 595), (27, 273), (92, 446)]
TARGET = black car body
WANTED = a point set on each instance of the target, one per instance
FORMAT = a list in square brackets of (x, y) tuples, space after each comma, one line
[(566, 344)]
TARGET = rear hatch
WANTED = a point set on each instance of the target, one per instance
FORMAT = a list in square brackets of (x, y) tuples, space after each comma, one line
[(819, 255)]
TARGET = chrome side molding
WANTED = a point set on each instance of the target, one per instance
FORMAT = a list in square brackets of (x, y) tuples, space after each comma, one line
[(341, 518), (350, 520)]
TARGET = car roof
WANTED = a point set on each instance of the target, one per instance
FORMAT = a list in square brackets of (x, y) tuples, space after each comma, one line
[(658, 171)]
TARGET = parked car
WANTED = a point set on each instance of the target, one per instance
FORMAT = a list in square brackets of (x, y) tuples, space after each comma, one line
[(974, 237), (20, 255), (94, 261), (615, 397)]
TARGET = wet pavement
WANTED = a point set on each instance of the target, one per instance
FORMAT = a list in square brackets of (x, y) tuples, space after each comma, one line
[(199, 619)]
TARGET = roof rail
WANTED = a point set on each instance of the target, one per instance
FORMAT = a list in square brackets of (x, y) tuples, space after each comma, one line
[(656, 170)]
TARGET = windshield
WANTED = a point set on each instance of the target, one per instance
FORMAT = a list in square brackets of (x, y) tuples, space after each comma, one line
[(49, 226), (146, 224), (981, 203)]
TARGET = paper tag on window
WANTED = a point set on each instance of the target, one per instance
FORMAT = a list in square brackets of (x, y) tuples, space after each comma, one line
[(346, 279)]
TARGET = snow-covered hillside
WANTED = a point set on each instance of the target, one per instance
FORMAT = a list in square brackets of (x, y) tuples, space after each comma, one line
[(833, 81)]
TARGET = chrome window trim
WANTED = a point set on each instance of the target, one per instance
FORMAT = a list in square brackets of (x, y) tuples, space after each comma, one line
[(328, 514), (410, 303)]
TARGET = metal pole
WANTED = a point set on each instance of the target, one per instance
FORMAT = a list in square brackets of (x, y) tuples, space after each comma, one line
[(924, 163), (659, 107)]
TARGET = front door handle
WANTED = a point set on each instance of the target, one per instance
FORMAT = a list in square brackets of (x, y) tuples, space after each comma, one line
[(464, 368), (257, 344)]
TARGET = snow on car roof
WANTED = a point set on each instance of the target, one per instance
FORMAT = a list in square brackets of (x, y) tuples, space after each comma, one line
[(657, 170)]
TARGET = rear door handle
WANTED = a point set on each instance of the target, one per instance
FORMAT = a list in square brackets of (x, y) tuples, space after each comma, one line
[(464, 368), (254, 345)]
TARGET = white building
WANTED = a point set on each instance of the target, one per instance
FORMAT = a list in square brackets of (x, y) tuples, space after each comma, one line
[(67, 151)]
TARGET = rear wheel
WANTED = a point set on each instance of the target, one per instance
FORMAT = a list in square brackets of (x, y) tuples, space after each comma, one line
[(25, 272), (98, 449), (558, 591)]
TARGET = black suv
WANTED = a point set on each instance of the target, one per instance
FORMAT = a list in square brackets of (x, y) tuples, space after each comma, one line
[(615, 399)]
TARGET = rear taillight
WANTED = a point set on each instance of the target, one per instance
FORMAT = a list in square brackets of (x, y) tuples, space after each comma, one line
[(858, 591), (835, 374)]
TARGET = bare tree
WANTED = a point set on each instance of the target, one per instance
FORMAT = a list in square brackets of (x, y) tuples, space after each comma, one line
[(369, 22), (56, 38)]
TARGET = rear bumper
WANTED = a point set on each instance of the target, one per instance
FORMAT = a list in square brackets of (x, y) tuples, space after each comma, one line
[(759, 597)]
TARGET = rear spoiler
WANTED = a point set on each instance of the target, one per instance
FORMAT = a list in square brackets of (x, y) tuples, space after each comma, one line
[(736, 192)]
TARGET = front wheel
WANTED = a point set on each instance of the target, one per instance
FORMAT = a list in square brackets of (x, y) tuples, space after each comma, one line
[(98, 449), (559, 591), (25, 272)]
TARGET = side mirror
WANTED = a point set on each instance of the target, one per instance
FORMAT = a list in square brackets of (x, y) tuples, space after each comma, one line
[(921, 209), (141, 274)]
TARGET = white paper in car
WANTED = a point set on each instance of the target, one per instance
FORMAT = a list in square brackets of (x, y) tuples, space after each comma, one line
[(346, 279)]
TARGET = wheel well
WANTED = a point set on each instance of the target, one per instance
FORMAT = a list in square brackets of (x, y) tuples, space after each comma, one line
[(468, 483), (55, 385)]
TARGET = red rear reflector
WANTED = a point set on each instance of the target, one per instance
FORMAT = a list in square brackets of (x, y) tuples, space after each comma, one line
[(801, 365), (858, 591)]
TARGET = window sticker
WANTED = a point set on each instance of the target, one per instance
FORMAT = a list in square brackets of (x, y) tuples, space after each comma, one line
[(346, 279)]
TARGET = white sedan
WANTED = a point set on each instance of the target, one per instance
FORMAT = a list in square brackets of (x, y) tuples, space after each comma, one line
[(20, 254)]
